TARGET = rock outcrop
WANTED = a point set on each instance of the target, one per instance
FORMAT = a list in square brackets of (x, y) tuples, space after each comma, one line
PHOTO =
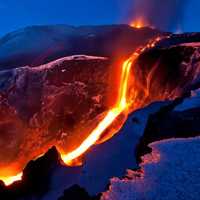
[(78, 193), (59, 104), (34, 177), (166, 124)]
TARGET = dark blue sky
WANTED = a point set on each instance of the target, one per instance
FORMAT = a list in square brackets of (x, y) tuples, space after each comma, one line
[(16, 14)]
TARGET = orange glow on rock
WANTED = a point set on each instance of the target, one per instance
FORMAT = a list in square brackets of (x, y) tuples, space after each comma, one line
[(122, 106), (109, 118)]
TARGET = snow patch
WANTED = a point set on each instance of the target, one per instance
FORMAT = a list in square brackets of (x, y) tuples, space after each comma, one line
[(190, 102), (171, 171), (90, 36), (61, 60)]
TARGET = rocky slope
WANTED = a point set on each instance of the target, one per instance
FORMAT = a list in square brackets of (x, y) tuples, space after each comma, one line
[(55, 104), (38, 45)]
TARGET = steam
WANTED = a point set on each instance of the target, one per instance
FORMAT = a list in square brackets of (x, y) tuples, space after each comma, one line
[(166, 15)]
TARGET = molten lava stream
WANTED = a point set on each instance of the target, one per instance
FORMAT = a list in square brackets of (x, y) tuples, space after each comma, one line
[(111, 115), (121, 105), (11, 179)]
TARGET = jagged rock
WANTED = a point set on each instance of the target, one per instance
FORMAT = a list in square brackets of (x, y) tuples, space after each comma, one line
[(34, 177), (51, 105), (35, 171), (11, 135), (166, 124), (76, 193), (96, 196), (160, 71)]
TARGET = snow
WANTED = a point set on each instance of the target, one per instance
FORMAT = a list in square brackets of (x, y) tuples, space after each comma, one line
[(193, 44), (171, 171), (190, 102), (90, 36), (61, 60)]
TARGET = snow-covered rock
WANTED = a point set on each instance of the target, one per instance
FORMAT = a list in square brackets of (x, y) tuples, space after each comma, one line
[(191, 102), (171, 171)]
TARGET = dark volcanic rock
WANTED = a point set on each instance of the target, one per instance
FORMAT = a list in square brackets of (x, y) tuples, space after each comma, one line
[(35, 171), (165, 74), (11, 135), (34, 177), (167, 124), (56, 104), (96, 196), (76, 193)]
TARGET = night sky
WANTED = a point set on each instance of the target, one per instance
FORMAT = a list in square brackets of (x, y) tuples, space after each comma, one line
[(16, 14)]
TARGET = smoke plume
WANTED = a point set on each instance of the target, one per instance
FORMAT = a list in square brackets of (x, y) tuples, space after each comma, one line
[(166, 15)]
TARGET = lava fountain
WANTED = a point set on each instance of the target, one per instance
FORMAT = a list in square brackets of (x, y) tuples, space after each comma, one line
[(122, 106)]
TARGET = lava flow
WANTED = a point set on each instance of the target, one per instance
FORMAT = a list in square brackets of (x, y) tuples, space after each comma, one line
[(121, 106)]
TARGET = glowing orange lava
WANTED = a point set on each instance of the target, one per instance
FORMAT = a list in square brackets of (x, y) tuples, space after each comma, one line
[(139, 23), (136, 25), (111, 115), (11, 179), (121, 105)]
